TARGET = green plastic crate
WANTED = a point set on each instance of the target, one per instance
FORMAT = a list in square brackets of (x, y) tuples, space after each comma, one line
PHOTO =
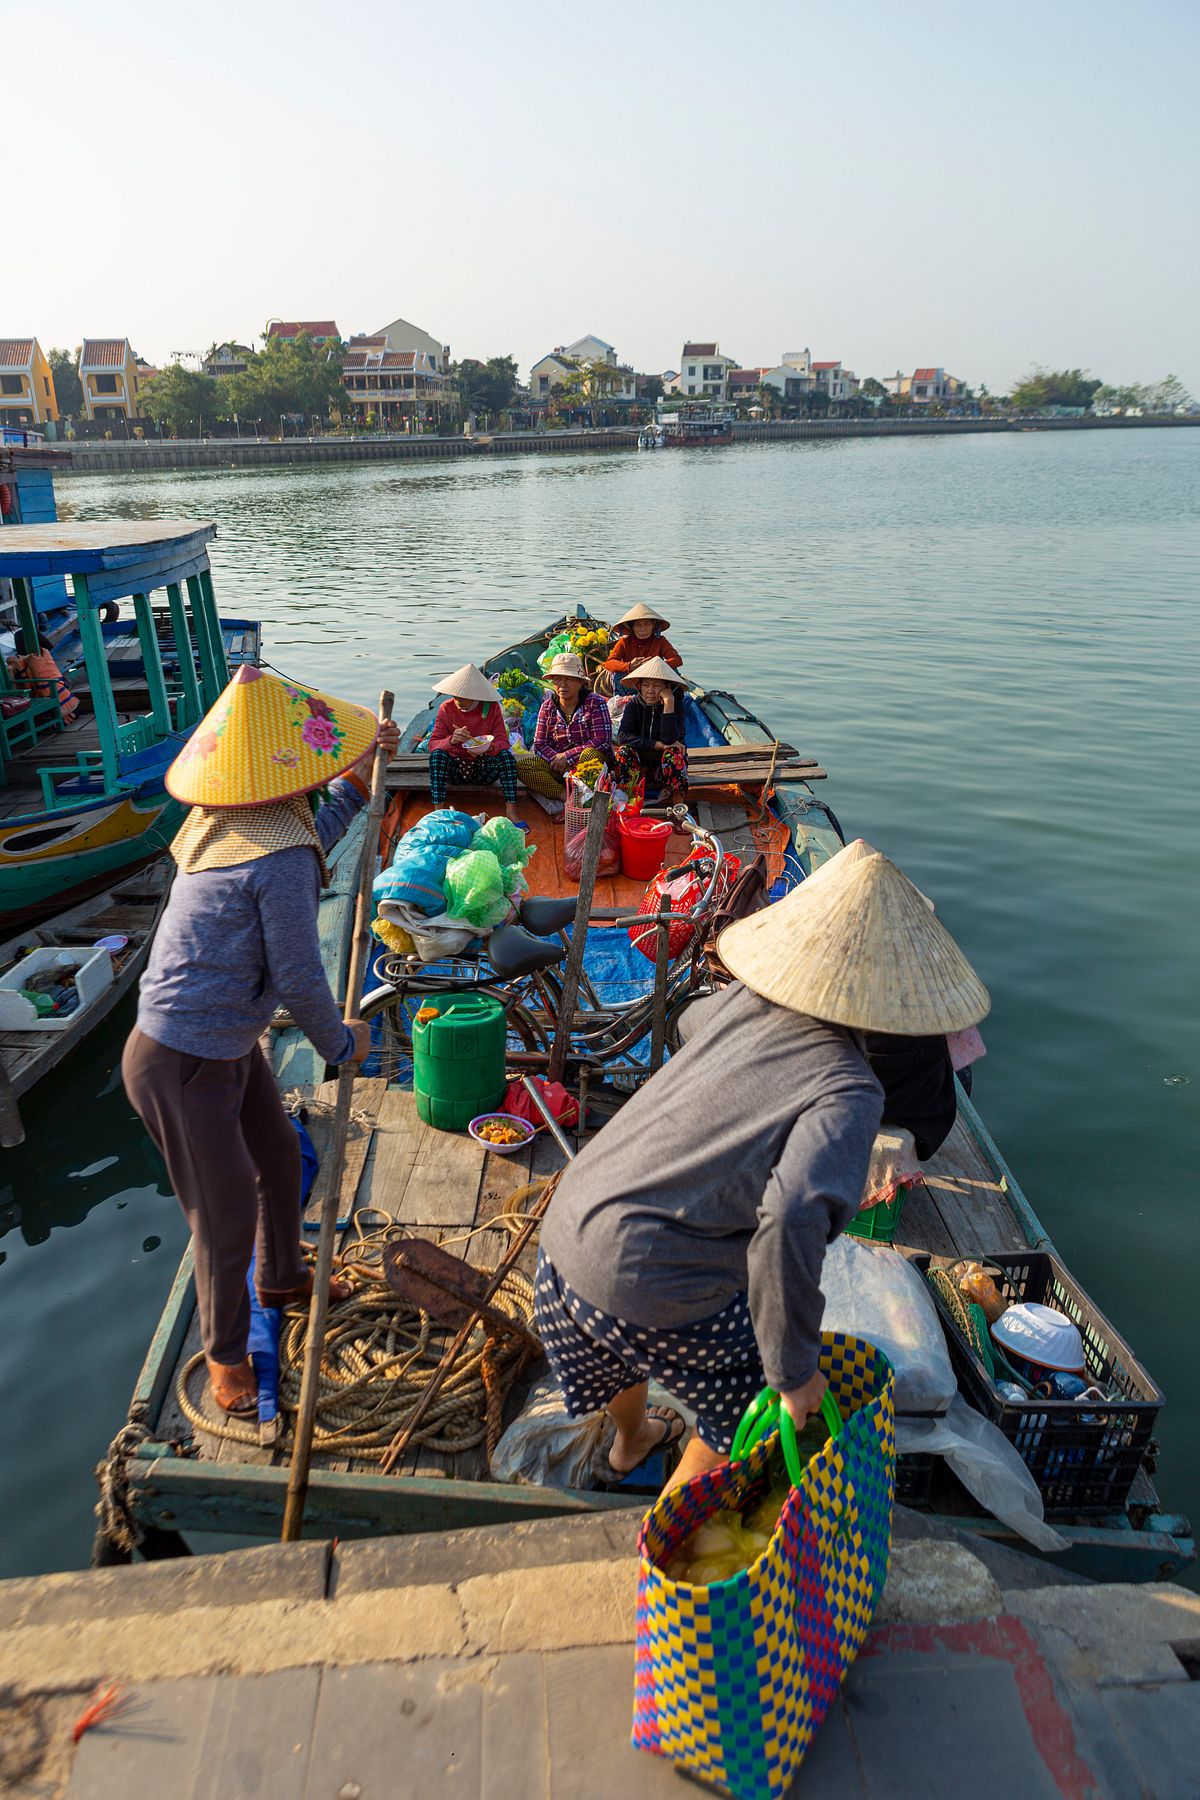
[(879, 1222)]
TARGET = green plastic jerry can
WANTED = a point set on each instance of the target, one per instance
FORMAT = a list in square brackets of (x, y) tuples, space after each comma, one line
[(458, 1059)]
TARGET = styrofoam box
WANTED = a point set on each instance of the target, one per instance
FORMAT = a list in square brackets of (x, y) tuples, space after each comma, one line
[(93, 975)]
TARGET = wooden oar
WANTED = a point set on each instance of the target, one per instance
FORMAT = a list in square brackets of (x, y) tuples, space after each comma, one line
[(297, 1488)]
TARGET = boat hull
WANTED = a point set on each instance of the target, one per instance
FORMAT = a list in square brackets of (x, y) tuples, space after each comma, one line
[(49, 861)]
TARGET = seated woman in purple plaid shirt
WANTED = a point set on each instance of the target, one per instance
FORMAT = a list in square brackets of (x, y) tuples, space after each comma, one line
[(572, 719)]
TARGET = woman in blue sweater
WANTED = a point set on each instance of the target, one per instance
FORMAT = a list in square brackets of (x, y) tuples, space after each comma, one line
[(239, 939)]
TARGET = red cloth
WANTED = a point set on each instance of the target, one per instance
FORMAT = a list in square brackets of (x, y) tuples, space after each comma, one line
[(629, 649), (46, 676), (484, 719)]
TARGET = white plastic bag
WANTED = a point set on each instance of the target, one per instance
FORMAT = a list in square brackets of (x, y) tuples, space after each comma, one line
[(871, 1292), (545, 1447), (987, 1465)]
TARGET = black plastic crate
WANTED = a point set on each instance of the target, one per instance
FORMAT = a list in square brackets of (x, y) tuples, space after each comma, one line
[(1083, 1454), (914, 1479)]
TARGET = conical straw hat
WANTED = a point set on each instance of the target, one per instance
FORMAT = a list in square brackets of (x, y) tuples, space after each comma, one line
[(655, 668), (268, 739), (642, 611), (467, 683), (849, 853), (859, 947)]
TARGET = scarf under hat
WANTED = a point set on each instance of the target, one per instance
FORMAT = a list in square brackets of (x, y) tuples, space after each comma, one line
[(218, 837)]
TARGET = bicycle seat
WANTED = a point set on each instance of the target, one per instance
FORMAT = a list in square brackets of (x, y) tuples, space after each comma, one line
[(513, 952), (544, 916)]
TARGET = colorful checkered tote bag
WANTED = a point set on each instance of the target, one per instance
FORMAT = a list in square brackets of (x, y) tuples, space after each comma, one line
[(734, 1679)]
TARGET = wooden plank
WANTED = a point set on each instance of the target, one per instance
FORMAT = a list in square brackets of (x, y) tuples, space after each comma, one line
[(368, 1097), (969, 1199), (922, 1227), (394, 1150), (196, 1496), (447, 1173), (502, 1176)]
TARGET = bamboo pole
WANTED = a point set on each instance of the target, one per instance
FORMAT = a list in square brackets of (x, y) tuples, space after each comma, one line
[(297, 1488), (658, 1012), (593, 844)]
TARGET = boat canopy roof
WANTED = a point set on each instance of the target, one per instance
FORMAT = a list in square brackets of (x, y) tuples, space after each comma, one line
[(115, 556)]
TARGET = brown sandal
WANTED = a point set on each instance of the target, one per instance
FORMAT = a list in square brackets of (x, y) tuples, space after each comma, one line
[(339, 1289), (233, 1387)]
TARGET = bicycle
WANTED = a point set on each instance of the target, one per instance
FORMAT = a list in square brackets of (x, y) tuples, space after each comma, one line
[(517, 967)]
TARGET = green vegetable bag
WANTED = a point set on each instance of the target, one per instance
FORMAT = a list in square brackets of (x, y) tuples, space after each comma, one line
[(474, 889)]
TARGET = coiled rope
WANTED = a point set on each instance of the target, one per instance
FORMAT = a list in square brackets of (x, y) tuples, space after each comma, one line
[(378, 1357)]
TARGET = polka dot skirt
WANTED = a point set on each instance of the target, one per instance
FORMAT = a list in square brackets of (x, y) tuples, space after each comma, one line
[(712, 1366)]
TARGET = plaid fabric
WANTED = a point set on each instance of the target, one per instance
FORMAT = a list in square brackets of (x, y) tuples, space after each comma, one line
[(538, 776), (471, 771), (733, 1680), (589, 724)]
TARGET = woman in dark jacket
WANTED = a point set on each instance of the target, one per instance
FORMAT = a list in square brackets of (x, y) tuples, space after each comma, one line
[(650, 741)]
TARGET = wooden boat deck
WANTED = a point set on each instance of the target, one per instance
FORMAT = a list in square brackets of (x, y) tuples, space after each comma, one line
[(444, 1187), (21, 790)]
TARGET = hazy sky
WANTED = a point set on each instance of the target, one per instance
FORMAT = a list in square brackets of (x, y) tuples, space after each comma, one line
[(981, 187)]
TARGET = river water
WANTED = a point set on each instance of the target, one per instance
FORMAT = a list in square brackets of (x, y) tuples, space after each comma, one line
[(991, 643)]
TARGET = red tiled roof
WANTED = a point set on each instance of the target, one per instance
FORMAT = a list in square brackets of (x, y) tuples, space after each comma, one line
[(355, 359), (398, 359), (745, 377), (103, 353), (290, 328), (700, 350), (363, 342), (832, 365), (16, 353), (924, 374)]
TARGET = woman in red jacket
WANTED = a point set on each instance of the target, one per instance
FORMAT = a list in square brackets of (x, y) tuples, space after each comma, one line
[(469, 741), (641, 638)]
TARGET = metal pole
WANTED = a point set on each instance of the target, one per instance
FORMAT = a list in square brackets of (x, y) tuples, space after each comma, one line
[(297, 1488), (593, 844)]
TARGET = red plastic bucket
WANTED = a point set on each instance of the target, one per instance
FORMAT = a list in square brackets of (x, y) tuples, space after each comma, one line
[(643, 843)]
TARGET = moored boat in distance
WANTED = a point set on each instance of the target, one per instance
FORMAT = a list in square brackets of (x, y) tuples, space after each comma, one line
[(689, 423), (183, 1467), (83, 801)]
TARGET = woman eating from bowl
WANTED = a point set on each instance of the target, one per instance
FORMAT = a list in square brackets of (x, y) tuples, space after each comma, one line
[(641, 635), (469, 742), (572, 720), (650, 741)]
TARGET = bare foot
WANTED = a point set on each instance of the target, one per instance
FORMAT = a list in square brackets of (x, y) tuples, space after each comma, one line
[(697, 1459), (233, 1387), (661, 1426)]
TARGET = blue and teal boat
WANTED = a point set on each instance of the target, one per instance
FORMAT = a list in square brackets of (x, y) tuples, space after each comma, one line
[(82, 802)]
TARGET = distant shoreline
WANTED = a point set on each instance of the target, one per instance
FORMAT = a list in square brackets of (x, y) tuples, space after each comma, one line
[(232, 453)]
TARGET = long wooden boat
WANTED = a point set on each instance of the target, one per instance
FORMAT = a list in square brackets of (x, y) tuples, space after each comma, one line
[(181, 1470), (83, 804), (130, 909)]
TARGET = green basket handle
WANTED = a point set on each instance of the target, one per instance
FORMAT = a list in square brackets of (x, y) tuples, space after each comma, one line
[(764, 1414)]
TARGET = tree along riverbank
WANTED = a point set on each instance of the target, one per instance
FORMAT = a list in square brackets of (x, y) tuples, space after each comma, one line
[(227, 453)]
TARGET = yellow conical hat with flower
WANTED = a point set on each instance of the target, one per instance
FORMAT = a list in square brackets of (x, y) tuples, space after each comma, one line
[(268, 739)]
